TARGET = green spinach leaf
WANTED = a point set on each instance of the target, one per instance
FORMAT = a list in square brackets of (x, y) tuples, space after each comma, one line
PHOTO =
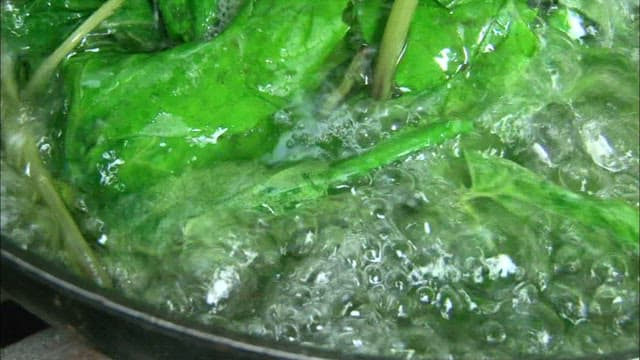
[(35, 28), (448, 40), (200, 215), (518, 189), (139, 118), (188, 20)]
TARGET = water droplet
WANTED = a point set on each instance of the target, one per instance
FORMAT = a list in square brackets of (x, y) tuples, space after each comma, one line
[(500, 266), (600, 150), (287, 331), (426, 294), (283, 118), (524, 294), (609, 269), (493, 332), (378, 207), (374, 255), (568, 302), (366, 137), (474, 269), (568, 259), (448, 301), (607, 301), (374, 274), (395, 279)]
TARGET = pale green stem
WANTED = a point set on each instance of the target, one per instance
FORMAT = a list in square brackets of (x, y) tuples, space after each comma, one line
[(393, 42), (79, 251), (48, 66), (7, 74), (351, 77)]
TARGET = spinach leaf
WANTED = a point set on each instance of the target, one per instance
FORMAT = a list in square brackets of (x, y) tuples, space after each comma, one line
[(612, 25), (448, 40), (464, 59), (309, 180), (188, 20), (139, 118), (205, 209), (488, 45), (504, 50), (33, 29), (250, 185), (518, 189)]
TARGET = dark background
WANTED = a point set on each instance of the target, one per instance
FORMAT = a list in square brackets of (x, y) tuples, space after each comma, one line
[(17, 323)]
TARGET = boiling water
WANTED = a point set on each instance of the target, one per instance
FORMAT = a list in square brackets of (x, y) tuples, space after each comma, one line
[(402, 261)]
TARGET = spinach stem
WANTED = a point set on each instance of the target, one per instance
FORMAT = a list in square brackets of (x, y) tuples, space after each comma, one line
[(391, 48), (48, 66), (351, 78), (307, 181), (7, 74), (80, 253), (397, 147)]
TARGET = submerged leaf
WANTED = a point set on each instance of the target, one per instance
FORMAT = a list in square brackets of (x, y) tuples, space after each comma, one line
[(203, 209), (517, 189), (124, 109)]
